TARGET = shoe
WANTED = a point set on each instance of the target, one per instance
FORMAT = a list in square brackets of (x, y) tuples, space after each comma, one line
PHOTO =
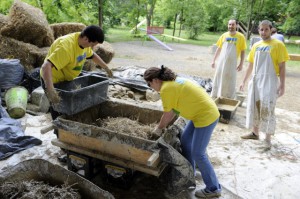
[(203, 193), (251, 136)]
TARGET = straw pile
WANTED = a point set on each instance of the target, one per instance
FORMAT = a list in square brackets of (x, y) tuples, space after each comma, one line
[(37, 189), (28, 24), (61, 29), (127, 126)]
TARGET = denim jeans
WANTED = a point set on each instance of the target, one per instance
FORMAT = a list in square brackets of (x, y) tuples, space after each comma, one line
[(194, 142)]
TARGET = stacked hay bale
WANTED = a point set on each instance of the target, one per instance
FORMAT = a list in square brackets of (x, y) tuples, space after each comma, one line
[(61, 29), (24, 31), (28, 24), (105, 51), (28, 54), (26, 35)]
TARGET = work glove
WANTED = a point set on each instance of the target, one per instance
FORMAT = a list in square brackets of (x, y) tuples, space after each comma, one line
[(109, 72), (53, 96)]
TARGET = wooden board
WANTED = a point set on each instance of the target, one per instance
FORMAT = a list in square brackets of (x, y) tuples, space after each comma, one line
[(114, 148), (155, 171), (294, 57)]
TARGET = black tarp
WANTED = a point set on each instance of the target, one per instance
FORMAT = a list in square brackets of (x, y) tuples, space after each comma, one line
[(12, 138), (133, 77), (11, 73)]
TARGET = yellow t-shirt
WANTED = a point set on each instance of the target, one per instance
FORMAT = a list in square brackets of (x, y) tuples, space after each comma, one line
[(67, 57), (277, 51), (189, 100), (238, 39)]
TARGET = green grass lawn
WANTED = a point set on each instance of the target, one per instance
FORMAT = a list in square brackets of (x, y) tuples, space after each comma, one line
[(123, 34)]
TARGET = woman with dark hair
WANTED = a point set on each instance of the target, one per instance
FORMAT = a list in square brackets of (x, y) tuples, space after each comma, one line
[(183, 97)]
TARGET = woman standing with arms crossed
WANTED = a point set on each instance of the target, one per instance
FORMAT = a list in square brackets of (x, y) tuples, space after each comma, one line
[(185, 98)]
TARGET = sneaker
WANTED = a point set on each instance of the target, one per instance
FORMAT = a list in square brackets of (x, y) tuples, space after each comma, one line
[(203, 193), (251, 136)]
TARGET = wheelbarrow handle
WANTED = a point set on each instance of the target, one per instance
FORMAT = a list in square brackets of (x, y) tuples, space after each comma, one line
[(153, 158), (46, 129)]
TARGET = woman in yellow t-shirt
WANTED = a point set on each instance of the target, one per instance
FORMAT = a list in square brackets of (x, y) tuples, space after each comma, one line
[(185, 98)]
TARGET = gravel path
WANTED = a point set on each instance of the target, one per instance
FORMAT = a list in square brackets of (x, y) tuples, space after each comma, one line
[(193, 60)]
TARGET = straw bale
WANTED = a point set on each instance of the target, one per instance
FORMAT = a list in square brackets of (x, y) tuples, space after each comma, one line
[(105, 51), (61, 29), (28, 24), (40, 56), (89, 65), (26, 53), (3, 20)]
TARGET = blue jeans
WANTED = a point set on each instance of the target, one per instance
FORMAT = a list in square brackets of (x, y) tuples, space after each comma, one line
[(194, 142)]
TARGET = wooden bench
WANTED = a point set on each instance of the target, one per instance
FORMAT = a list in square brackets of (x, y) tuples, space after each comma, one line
[(294, 57)]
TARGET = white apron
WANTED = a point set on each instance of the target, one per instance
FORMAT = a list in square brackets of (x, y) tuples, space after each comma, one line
[(262, 94), (225, 76)]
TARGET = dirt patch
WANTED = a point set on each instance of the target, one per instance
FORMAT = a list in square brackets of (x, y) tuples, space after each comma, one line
[(194, 60)]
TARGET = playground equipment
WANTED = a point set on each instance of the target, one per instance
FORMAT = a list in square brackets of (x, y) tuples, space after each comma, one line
[(160, 42), (158, 31), (141, 23), (174, 37)]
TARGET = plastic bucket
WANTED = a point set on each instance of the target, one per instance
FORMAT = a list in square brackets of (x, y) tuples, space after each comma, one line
[(16, 101)]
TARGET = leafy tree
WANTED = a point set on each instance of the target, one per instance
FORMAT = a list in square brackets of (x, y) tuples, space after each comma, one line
[(195, 18), (218, 13), (4, 6), (170, 11), (292, 24)]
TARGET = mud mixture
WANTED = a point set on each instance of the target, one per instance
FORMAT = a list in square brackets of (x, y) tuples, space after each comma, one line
[(36, 189), (126, 126)]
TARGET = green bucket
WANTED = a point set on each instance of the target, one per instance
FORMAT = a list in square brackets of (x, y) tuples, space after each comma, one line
[(16, 101)]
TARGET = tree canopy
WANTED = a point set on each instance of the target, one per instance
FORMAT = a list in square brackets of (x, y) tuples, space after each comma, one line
[(194, 16)]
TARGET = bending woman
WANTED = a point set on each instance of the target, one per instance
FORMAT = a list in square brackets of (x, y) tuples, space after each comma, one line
[(185, 98)]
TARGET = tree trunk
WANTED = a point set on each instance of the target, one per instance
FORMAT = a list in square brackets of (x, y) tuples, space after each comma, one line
[(149, 15), (250, 20), (137, 17), (181, 19), (100, 12), (174, 26)]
